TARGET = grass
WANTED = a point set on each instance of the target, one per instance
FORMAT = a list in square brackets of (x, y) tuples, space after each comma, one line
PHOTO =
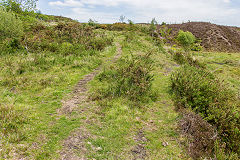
[(121, 121), (226, 65), (35, 86), (32, 86)]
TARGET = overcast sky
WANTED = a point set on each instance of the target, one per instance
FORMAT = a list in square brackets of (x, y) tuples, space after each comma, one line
[(226, 12)]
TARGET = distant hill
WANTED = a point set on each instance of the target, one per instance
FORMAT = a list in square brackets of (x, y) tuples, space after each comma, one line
[(214, 37)]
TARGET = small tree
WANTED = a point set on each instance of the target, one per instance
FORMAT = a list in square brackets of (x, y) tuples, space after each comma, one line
[(122, 18), (131, 25), (19, 6), (92, 22), (186, 39), (153, 26), (130, 22)]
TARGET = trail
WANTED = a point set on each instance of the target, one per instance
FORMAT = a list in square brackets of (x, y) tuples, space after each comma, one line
[(80, 103)]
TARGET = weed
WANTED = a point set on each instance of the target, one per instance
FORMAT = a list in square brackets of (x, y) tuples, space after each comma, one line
[(11, 123)]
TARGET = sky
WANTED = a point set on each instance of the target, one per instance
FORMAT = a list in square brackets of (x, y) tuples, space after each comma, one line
[(224, 12)]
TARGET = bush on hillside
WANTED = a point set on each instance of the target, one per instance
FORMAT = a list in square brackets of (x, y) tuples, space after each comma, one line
[(99, 43), (201, 91), (153, 27), (186, 58), (66, 49), (118, 27), (196, 47), (185, 39), (10, 26), (82, 37), (131, 78)]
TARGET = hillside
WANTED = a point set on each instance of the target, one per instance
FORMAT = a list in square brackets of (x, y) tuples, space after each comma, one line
[(214, 37), (75, 91)]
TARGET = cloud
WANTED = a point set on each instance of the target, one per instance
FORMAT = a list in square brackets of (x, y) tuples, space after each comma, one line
[(67, 3), (108, 11), (226, 1)]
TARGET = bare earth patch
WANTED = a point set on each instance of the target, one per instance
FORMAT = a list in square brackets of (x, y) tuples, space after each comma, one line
[(139, 152)]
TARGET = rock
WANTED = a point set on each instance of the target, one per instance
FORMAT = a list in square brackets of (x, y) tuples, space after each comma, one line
[(165, 144), (98, 148)]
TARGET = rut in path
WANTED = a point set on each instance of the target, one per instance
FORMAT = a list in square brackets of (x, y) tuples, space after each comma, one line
[(79, 95), (76, 141)]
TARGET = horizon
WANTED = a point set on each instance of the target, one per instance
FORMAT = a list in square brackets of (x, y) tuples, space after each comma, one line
[(221, 12)]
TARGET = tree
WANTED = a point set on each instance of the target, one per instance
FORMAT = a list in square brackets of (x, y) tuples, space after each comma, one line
[(92, 22), (153, 26), (122, 18), (19, 6), (130, 22)]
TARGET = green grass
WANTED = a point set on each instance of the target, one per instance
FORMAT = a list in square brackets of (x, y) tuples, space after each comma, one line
[(226, 65), (121, 120), (32, 86), (36, 85)]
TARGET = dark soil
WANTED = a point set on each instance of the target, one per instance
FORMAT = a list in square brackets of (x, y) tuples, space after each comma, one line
[(139, 151), (201, 136)]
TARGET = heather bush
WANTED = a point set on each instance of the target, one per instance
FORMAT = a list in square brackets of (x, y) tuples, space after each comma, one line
[(66, 48), (196, 47), (99, 43), (186, 58), (54, 38), (131, 78), (118, 27), (210, 97)]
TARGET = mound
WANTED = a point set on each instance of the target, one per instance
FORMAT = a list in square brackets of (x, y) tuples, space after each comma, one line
[(214, 37)]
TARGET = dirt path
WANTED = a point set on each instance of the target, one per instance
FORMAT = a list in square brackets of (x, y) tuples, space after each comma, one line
[(74, 147), (139, 151)]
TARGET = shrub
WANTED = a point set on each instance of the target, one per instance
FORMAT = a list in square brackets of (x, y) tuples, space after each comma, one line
[(185, 39), (196, 47), (66, 49), (131, 78), (10, 26), (10, 46), (130, 36), (99, 43), (201, 135), (186, 58), (205, 94), (42, 37), (118, 27), (92, 23)]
